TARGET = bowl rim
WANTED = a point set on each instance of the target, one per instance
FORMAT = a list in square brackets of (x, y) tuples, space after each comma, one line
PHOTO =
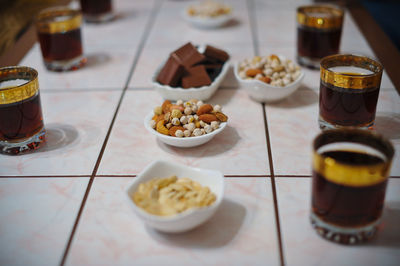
[(204, 19), (156, 218), (256, 81), (148, 117), (216, 81)]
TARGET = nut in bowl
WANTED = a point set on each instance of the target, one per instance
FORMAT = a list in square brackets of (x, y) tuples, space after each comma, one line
[(208, 14), (191, 73), (209, 181), (185, 124), (269, 78)]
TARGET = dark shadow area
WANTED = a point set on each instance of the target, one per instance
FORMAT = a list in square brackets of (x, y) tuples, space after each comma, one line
[(217, 232), (388, 234), (302, 97), (124, 15), (221, 143), (388, 124), (58, 136), (96, 59), (231, 23)]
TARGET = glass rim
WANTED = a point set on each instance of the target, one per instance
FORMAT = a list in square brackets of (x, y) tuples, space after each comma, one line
[(306, 19), (13, 70), (354, 135), (73, 20), (348, 80), (347, 173)]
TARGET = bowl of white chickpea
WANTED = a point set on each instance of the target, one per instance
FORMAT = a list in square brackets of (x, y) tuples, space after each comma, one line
[(268, 78)]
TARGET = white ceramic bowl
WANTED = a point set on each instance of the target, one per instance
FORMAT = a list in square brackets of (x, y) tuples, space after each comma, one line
[(263, 92), (201, 93), (182, 142), (188, 219), (206, 22)]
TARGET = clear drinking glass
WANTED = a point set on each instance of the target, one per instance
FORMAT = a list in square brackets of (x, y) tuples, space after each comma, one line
[(97, 10), (350, 175), (59, 34), (21, 120), (349, 91), (319, 29)]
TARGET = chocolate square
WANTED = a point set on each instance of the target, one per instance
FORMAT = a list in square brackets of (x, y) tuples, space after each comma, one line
[(188, 55), (216, 54), (195, 77), (171, 73)]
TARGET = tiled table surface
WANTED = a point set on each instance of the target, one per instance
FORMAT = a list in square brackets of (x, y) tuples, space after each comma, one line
[(66, 200)]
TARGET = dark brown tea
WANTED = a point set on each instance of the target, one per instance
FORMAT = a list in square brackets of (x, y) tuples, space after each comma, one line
[(317, 43), (20, 120), (95, 7), (347, 107), (61, 46), (348, 206)]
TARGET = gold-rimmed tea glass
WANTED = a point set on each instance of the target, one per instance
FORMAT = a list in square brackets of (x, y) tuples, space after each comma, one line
[(59, 34), (349, 90), (350, 175), (21, 120), (319, 28)]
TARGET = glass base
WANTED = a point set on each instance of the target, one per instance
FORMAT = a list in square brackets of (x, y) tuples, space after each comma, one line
[(309, 62), (343, 235), (99, 18), (66, 65), (32, 143), (324, 125)]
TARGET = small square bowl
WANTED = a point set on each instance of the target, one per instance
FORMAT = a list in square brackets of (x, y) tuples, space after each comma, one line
[(186, 220), (263, 92), (177, 93), (182, 142)]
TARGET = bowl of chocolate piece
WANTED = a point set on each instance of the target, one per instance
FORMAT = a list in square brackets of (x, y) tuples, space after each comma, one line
[(173, 197), (268, 78), (208, 14), (191, 73)]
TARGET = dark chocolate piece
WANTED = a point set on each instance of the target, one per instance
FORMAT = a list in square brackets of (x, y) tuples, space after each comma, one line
[(171, 73), (188, 55), (214, 72), (215, 53), (195, 77)]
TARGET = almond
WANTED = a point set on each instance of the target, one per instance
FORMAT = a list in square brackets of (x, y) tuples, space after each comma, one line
[(159, 118), (166, 106), (265, 79), (174, 106), (205, 109), (173, 129), (221, 117), (252, 72), (208, 118)]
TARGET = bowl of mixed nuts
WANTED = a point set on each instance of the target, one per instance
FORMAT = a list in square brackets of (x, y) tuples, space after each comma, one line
[(173, 198), (186, 123), (269, 78)]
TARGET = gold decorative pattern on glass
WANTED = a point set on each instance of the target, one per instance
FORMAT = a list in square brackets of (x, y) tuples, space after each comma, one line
[(351, 80), (58, 19), (321, 17), (12, 94)]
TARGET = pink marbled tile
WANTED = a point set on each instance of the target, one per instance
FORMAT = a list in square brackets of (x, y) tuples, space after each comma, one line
[(242, 232), (170, 27), (239, 150), (76, 124), (303, 246), (37, 216), (153, 56), (293, 124), (107, 68)]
